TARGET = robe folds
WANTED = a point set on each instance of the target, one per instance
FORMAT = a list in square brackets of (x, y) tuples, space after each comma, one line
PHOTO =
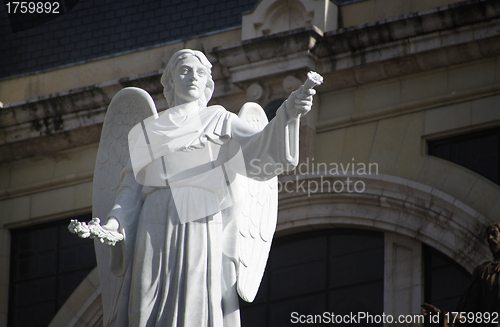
[(177, 207)]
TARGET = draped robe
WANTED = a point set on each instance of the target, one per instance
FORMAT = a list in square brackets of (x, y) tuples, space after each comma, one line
[(176, 209)]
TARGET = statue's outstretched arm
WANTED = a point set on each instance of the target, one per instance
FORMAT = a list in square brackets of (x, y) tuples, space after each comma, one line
[(275, 145)]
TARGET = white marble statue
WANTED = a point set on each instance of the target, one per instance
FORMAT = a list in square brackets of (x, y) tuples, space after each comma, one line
[(189, 198)]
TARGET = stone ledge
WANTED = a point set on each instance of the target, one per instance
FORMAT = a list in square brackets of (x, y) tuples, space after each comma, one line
[(53, 125), (409, 25), (64, 120), (275, 66), (68, 180), (405, 108), (55, 105), (48, 144), (409, 56), (267, 47)]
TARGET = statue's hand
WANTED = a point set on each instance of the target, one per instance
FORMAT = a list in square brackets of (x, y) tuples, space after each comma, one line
[(107, 234), (78, 228), (299, 102)]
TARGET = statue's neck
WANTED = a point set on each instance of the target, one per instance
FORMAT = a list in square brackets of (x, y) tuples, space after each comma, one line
[(187, 108)]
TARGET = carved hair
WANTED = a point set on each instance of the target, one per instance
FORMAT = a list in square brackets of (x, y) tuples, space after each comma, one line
[(166, 79), (490, 227)]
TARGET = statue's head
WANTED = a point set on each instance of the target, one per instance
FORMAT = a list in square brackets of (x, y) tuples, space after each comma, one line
[(174, 73), (493, 232)]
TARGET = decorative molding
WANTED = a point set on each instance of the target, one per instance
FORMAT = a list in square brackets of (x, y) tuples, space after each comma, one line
[(298, 61), (68, 180), (267, 47), (291, 83), (274, 16), (447, 20), (255, 92), (390, 204), (376, 51)]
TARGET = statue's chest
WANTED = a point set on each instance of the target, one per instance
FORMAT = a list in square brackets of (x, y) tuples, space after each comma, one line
[(188, 163)]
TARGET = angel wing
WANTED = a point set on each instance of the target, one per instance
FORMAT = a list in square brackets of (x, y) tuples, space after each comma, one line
[(129, 107), (257, 219)]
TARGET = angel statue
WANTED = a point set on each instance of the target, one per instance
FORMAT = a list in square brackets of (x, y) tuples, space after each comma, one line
[(189, 198)]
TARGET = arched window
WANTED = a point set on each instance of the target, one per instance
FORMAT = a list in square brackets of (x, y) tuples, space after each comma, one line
[(340, 271), (335, 270), (477, 151)]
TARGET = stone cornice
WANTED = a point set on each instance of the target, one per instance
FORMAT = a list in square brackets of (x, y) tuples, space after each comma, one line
[(59, 141), (267, 47), (450, 17), (392, 47), (61, 121), (411, 55)]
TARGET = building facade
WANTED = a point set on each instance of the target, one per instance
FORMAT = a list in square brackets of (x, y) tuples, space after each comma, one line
[(399, 169)]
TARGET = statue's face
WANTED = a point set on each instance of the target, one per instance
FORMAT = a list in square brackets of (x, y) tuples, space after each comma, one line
[(189, 80), (494, 239)]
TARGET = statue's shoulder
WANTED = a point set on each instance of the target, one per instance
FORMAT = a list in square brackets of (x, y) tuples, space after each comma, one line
[(217, 109), (221, 118), (220, 113)]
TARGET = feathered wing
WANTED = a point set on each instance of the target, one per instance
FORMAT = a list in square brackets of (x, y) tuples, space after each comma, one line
[(129, 107), (256, 219)]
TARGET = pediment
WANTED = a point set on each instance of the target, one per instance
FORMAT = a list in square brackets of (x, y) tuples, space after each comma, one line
[(275, 16)]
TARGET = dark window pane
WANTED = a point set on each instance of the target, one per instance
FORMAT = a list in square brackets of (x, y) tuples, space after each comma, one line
[(478, 151), (298, 279), (356, 268), (36, 315), (67, 283), (280, 313), (346, 300), (47, 264), (298, 251), (312, 273), (254, 315), (344, 244), (271, 108), (445, 280)]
